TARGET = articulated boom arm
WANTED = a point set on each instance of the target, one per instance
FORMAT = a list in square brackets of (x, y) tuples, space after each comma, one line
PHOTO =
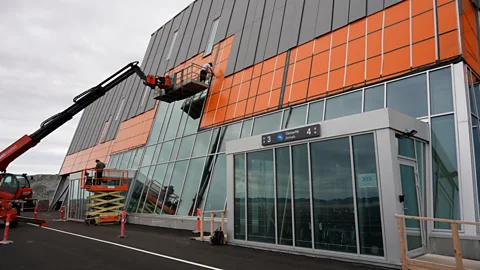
[(80, 102)]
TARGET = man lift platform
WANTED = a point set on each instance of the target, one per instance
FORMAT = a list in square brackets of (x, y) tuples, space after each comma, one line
[(106, 202)]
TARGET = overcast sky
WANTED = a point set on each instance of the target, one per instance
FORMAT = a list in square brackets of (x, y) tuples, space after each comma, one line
[(50, 51)]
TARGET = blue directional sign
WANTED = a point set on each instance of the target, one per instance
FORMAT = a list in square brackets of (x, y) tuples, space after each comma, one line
[(290, 135)]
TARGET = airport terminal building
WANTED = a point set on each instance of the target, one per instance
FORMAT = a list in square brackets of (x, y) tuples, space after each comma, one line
[(324, 119)]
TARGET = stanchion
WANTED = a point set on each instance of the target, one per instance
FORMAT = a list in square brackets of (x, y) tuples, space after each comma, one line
[(35, 212), (5, 240), (199, 213), (62, 213), (122, 225)]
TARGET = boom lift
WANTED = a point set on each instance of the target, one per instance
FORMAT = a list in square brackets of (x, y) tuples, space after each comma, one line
[(11, 187)]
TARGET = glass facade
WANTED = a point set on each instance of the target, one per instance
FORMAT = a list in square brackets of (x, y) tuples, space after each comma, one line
[(327, 180)]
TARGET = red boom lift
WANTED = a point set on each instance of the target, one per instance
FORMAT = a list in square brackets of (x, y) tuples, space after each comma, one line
[(15, 188)]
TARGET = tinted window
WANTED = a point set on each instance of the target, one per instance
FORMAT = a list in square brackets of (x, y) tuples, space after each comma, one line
[(344, 105), (315, 112), (294, 117), (408, 96), (374, 98), (266, 123), (284, 196), (239, 214), (441, 91), (301, 196)]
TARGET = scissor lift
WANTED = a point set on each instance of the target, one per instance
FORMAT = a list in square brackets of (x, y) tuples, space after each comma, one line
[(106, 202)]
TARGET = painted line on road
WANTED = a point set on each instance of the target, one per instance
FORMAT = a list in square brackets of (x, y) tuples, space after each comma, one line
[(131, 248)]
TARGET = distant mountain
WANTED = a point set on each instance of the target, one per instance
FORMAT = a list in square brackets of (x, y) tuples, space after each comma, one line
[(44, 185)]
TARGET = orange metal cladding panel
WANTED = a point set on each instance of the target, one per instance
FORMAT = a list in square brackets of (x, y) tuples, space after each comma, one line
[(274, 99), (234, 94), (447, 18), (253, 87), (322, 44), (423, 27), (396, 61), (396, 36), (278, 78), (261, 102), (227, 83), (244, 90), (220, 115), (257, 70), (373, 68), (207, 119), (357, 29), (269, 65), (469, 35), (449, 45), (356, 51), (339, 36), (212, 102), (240, 109), (265, 83), (355, 74), (299, 91), (281, 60), (293, 56), (397, 13), (304, 51), (237, 78), (374, 22), (320, 63), (247, 74), (223, 98), (216, 85), (374, 44), (318, 86), (423, 52), (250, 106), (302, 70), (230, 112), (338, 55), (336, 79)]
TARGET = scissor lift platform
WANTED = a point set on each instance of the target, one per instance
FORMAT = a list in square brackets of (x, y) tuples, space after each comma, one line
[(106, 202)]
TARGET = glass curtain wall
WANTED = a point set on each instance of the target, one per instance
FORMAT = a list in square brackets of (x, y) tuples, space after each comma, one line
[(175, 137), (327, 180)]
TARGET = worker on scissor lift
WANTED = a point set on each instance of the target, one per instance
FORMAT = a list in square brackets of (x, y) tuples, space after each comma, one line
[(99, 171), (206, 69)]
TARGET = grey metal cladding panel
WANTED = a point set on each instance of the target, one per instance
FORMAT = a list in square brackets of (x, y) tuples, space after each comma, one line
[(104, 113), (162, 48), (232, 59), (202, 28), (115, 108), (358, 10), (374, 6), (174, 27), (324, 17), (88, 131), (85, 125), (291, 25), (180, 36), (187, 39), (112, 132), (238, 17), (340, 13), (255, 32), (265, 28), (246, 35), (78, 132), (139, 87), (309, 20), (275, 29), (99, 121), (224, 21), (391, 2)]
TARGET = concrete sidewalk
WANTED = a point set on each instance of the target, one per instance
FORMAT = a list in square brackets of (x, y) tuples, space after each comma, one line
[(52, 248)]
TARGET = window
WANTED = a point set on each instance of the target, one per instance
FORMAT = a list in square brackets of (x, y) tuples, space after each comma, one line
[(200, 147), (239, 213), (284, 196), (267, 123), (409, 96), (211, 38), (315, 112), (217, 194), (374, 98), (260, 194), (120, 109), (231, 132), (246, 128), (174, 187), (441, 98), (186, 147), (344, 105), (368, 198), (189, 192), (170, 49), (406, 148), (147, 159), (334, 212), (165, 152), (301, 196), (294, 117)]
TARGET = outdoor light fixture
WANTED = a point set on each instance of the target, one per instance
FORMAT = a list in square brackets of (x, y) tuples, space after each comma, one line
[(407, 134)]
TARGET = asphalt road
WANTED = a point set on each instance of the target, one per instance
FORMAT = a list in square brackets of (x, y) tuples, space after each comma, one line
[(71, 245)]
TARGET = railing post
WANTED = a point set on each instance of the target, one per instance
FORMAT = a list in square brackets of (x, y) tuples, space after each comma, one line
[(457, 248), (212, 221), (403, 248)]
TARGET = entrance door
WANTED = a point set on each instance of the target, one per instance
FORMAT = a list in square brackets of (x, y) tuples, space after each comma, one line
[(412, 207)]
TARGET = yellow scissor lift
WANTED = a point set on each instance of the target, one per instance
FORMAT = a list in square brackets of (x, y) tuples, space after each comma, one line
[(106, 202)]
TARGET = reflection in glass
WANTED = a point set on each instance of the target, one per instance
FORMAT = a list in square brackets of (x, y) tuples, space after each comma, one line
[(260, 192), (215, 141), (154, 187), (409, 96), (147, 158), (441, 98), (246, 128), (368, 198), (473, 104), (406, 147), (165, 152), (165, 122), (205, 180), (156, 154), (201, 144), (444, 170), (174, 121), (344, 105), (421, 174), (139, 190), (218, 186), (374, 98), (157, 125), (284, 196), (169, 194), (477, 96), (124, 161), (315, 112), (186, 147), (334, 212), (267, 123), (231, 132), (476, 145), (239, 212), (301, 195), (136, 160), (176, 146), (294, 117), (410, 206), (189, 192)]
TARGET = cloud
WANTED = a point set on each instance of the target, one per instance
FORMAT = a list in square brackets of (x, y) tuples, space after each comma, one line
[(52, 51)]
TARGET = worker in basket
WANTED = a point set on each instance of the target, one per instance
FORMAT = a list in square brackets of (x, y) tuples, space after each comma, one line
[(206, 69), (99, 172)]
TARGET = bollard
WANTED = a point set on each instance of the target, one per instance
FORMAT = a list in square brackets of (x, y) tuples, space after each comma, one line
[(197, 229), (5, 240), (35, 212), (122, 225), (62, 213)]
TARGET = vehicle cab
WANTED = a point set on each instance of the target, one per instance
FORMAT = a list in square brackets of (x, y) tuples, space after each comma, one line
[(15, 187)]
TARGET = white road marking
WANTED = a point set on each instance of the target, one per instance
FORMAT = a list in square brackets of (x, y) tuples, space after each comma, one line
[(131, 248)]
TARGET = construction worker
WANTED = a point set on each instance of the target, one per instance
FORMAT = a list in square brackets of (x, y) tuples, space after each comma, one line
[(99, 171), (207, 68)]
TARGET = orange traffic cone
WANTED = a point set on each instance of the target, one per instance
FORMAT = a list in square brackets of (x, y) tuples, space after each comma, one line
[(197, 229)]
